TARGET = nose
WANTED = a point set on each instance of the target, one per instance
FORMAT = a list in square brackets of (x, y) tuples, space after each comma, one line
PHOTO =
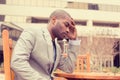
[(67, 30)]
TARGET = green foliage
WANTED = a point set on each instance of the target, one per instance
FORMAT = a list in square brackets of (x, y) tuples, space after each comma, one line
[(112, 69)]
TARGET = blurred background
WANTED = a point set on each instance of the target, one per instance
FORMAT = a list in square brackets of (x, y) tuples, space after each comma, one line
[(97, 21)]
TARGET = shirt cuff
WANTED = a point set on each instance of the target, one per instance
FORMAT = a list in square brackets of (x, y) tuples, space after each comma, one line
[(74, 42)]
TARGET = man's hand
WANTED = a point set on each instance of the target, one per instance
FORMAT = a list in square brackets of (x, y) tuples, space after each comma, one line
[(72, 34)]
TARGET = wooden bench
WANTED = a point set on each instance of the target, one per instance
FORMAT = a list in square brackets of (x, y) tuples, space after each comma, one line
[(7, 49), (7, 52), (83, 63)]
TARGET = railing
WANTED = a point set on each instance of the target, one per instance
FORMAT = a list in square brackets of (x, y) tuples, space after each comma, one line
[(101, 62)]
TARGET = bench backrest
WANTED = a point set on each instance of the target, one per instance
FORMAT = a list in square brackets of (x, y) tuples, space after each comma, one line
[(83, 63), (7, 52)]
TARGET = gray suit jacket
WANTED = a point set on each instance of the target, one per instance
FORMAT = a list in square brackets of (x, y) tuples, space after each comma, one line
[(33, 55)]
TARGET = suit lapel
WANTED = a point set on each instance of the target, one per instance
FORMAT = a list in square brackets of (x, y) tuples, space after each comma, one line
[(57, 54), (50, 53), (48, 39)]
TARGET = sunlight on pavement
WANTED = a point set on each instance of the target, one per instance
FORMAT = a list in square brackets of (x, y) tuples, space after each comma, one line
[(1, 76)]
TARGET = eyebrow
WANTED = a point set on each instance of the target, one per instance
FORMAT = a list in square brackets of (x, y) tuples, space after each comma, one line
[(71, 21)]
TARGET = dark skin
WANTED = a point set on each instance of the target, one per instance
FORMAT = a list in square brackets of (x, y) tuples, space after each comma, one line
[(62, 28)]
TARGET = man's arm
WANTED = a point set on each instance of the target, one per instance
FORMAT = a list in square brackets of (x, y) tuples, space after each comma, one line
[(20, 58), (67, 64)]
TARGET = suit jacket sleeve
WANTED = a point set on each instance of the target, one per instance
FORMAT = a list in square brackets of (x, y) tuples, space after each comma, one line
[(67, 64), (20, 58)]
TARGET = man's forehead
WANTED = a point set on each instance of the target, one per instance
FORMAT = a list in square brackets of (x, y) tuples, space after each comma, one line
[(69, 18)]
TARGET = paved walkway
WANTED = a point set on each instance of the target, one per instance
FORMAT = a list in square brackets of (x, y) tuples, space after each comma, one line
[(2, 76)]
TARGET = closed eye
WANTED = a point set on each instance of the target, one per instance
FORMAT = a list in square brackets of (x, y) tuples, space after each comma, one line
[(73, 23), (66, 24)]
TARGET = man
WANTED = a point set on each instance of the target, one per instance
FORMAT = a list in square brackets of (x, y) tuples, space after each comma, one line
[(37, 53)]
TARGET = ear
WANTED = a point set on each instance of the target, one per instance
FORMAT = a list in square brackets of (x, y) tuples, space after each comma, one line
[(53, 20)]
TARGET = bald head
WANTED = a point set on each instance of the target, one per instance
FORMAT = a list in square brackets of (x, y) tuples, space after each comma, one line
[(59, 14), (61, 25)]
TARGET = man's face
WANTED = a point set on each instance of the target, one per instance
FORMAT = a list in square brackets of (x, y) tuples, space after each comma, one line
[(62, 28)]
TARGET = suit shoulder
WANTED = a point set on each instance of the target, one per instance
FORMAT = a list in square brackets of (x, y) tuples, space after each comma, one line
[(34, 30)]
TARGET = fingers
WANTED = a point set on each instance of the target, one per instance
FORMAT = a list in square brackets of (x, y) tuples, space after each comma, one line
[(72, 34)]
